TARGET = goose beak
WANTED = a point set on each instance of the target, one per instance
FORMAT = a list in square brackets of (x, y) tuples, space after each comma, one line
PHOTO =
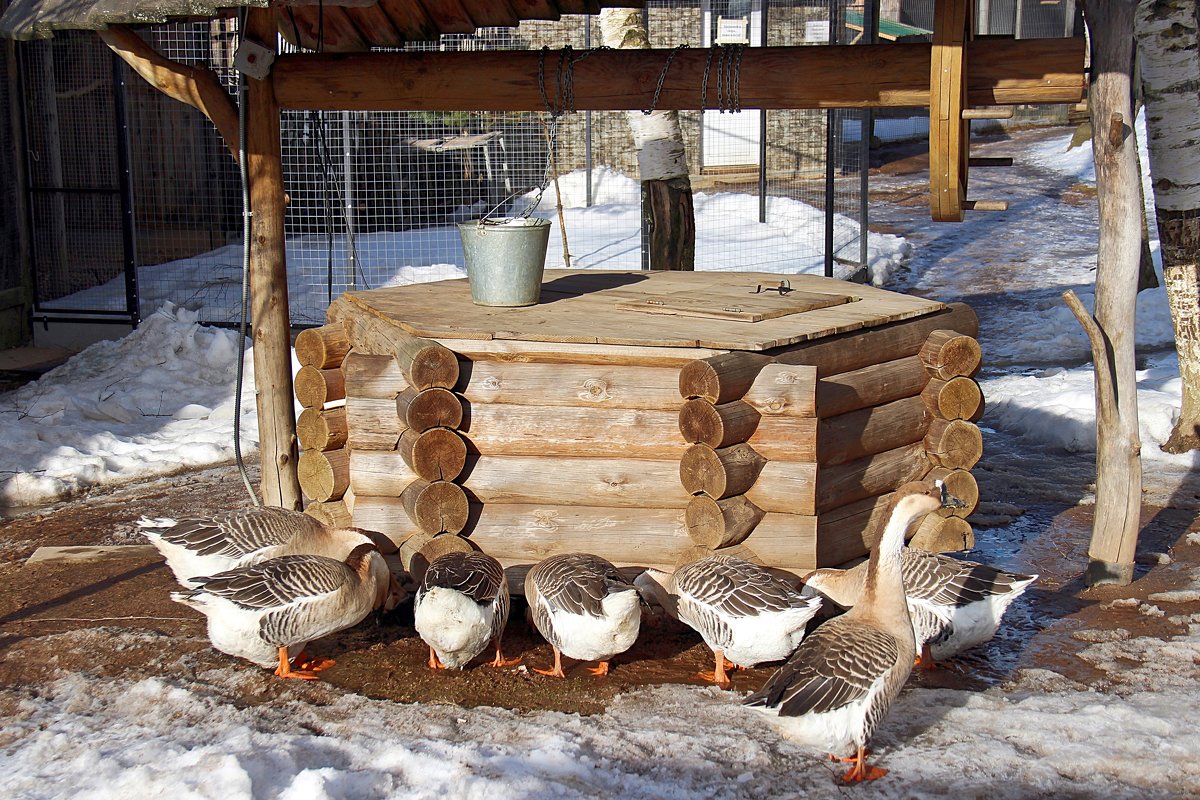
[(950, 501)]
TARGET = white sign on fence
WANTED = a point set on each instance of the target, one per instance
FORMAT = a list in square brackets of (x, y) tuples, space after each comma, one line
[(816, 30)]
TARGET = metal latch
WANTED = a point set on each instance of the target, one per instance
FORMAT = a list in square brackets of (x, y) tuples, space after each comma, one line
[(783, 288)]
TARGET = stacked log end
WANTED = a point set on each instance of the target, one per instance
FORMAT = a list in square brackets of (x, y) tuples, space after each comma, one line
[(322, 429), (401, 418), (752, 426)]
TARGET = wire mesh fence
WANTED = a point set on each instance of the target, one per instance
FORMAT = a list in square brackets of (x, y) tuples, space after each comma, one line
[(374, 197)]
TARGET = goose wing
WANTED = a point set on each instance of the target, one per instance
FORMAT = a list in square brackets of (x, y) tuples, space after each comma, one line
[(477, 575), (948, 581), (836, 665), (736, 588), (577, 583), (234, 534), (279, 582)]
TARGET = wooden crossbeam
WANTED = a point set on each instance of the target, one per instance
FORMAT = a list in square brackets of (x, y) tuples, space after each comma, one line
[(1001, 72)]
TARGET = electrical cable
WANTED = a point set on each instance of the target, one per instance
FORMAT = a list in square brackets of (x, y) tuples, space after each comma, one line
[(246, 212)]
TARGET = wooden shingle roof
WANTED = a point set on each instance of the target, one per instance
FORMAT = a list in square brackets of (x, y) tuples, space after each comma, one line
[(341, 25)]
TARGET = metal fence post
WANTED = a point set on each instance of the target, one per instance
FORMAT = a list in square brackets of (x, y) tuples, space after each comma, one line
[(125, 183)]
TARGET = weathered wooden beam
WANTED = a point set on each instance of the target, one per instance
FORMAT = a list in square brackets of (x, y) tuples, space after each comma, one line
[(268, 285), (999, 72), (196, 86)]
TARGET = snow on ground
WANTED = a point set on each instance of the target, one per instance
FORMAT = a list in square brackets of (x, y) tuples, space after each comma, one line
[(185, 736)]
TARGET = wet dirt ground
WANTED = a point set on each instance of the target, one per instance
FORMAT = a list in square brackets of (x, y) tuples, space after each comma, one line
[(383, 658)]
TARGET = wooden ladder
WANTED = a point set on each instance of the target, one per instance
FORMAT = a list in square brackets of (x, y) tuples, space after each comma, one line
[(950, 118)]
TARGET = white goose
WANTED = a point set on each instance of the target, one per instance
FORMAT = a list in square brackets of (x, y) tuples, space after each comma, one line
[(743, 612), (201, 546), (267, 612), (836, 688), (584, 607), (954, 604), (462, 605)]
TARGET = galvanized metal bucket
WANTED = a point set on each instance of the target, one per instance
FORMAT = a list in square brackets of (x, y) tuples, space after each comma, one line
[(505, 259)]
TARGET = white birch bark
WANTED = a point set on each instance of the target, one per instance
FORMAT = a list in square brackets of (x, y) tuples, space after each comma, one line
[(657, 135), (1167, 33)]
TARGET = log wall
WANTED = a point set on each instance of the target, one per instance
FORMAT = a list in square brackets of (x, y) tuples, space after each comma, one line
[(789, 458)]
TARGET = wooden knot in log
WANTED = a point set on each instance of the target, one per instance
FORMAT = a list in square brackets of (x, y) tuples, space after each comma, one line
[(720, 473), (783, 389)]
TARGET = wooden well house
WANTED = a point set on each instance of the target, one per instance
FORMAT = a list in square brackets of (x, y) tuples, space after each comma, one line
[(589, 422), (693, 413)]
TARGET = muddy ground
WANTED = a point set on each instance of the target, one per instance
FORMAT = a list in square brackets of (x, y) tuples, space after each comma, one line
[(383, 658)]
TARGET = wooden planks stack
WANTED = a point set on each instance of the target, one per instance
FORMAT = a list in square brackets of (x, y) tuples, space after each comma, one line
[(794, 457), (647, 456)]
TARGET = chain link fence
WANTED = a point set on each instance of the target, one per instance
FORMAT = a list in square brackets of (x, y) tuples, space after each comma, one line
[(135, 201)]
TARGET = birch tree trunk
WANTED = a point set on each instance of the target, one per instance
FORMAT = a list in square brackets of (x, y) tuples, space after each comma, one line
[(1111, 328), (1167, 32), (662, 160)]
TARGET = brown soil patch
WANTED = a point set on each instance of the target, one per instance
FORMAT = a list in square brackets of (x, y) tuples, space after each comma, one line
[(383, 658)]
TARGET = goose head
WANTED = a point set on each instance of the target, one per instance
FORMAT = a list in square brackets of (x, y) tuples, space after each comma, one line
[(918, 498)]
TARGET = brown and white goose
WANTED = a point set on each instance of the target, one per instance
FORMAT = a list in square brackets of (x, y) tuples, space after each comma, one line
[(462, 605), (200, 546), (584, 607), (838, 685), (743, 612), (955, 604), (267, 612)]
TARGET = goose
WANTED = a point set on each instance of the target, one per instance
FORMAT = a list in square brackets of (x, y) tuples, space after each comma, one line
[(462, 605), (954, 604), (838, 685), (201, 546), (267, 612), (584, 607), (743, 612)]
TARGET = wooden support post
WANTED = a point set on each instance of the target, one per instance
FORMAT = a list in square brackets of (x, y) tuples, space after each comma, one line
[(280, 484), (1111, 329), (195, 86)]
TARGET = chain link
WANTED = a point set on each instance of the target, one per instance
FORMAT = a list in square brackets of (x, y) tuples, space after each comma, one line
[(662, 77)]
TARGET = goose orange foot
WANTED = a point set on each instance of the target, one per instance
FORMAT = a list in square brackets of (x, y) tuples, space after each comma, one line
[(600, 669), (501, 661), (284, 670), (304, 662), (861, 771), (718, 675), (557, 672), (434, 661)]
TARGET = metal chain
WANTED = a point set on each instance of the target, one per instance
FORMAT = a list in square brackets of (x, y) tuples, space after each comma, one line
[(662, 77), (735, 93), (704, 79)]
